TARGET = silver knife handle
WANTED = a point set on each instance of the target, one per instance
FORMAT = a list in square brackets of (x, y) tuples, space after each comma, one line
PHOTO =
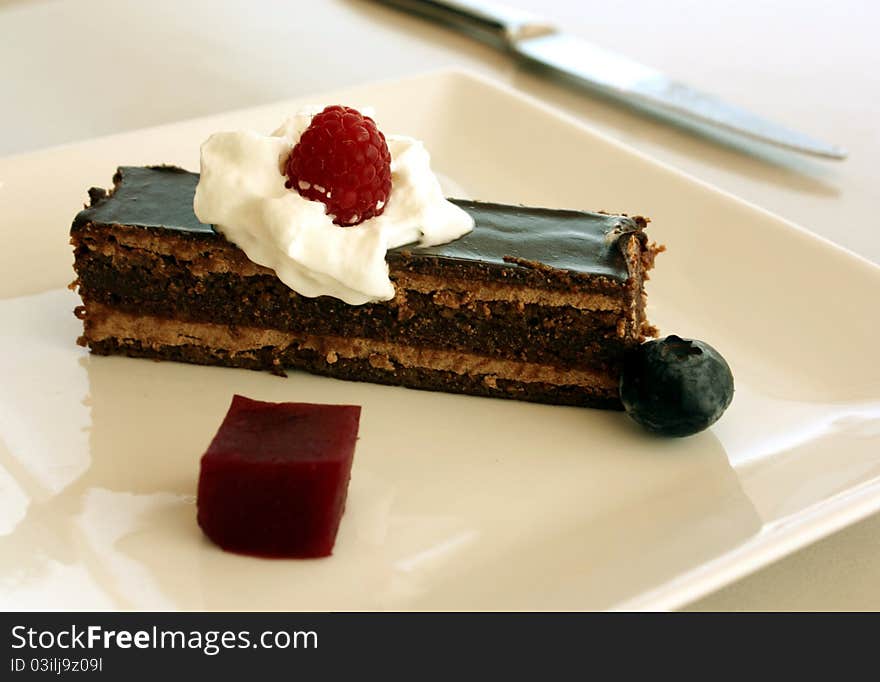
[(488, 20)]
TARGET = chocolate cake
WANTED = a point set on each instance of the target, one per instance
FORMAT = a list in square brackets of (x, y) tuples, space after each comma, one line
[(533, 304)]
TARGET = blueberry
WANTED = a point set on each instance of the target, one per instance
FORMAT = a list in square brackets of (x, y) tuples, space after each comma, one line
[(675, 386)]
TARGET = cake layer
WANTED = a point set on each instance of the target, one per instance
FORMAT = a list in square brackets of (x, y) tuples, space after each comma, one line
[(211, 254), (442, 318), (351, 359), (579, 243), (104, 323)]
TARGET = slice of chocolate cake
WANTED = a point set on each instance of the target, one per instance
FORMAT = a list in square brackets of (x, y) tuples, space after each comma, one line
[(533, 304)]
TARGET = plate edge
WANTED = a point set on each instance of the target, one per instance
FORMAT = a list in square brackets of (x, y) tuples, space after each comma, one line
[(784, 538)]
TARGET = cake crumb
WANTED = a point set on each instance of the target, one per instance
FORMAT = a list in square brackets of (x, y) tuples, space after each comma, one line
[(380, 361), (404, 311), (277, 368), (447, 298), (331, 357)]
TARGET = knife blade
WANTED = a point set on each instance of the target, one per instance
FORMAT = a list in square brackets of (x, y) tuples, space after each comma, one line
[(532, 39)]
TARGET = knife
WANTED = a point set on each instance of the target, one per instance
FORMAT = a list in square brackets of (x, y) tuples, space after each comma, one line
[(533, 39)]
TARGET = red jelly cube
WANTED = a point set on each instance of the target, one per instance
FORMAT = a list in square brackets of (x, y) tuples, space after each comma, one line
[(274, 480)]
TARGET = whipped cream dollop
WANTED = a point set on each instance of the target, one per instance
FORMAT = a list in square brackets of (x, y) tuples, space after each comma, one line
[(241, 192)]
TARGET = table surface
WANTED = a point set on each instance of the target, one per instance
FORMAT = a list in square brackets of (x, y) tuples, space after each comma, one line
[(76, 70)]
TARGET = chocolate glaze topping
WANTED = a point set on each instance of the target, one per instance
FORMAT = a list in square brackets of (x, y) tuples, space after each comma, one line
[(503, 236)]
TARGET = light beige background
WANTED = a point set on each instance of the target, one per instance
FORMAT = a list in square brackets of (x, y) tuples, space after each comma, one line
[(74, 70)]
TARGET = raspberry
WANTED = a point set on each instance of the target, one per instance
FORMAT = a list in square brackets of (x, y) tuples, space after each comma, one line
[(342, 160)]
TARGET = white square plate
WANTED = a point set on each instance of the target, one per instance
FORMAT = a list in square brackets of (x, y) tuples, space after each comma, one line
[(455, 502)]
